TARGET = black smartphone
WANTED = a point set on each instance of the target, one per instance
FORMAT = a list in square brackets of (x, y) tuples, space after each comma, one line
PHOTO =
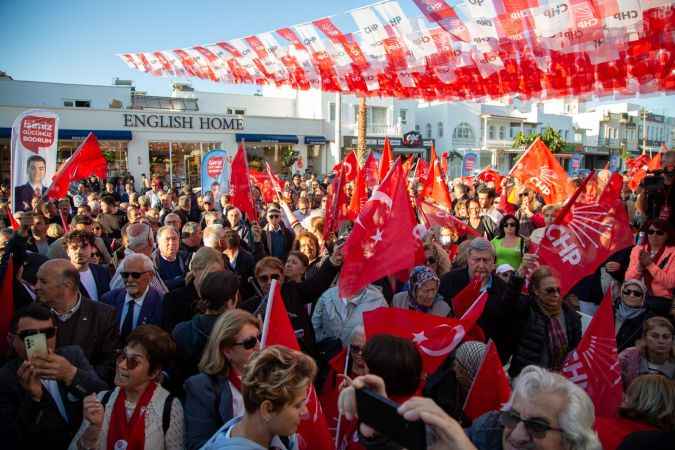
[(381, 414)]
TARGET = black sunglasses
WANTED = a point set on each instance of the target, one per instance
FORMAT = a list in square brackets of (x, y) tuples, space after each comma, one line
[(431, 260), (510, 224), (249, 343), (632, 292), (656, 232), (355, 349), (266, 278), (274, 216), (134, 275), (48, 332), (535, 428), (551, 290), (132, 360)]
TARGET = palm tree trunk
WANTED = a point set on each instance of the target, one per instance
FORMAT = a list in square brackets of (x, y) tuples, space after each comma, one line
[(361, 125)]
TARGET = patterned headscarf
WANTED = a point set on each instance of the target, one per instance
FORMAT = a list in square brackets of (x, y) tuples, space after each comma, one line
[(418, 276)]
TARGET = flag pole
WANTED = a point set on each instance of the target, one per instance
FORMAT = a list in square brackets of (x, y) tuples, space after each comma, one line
[(268, 312), (339, 421)]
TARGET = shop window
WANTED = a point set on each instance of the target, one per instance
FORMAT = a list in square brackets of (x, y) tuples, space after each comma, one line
[(178, 163), (114, 151)]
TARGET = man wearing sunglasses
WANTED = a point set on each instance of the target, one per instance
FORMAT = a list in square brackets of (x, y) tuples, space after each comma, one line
[(277, 239), (546, 411), (41, 397)]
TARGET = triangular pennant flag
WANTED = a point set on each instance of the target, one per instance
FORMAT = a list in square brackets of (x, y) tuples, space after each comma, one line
[(240, 188), (490, 388), (386, 160)]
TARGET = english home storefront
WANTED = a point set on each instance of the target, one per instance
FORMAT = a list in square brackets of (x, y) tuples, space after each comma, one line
[(171, 144)]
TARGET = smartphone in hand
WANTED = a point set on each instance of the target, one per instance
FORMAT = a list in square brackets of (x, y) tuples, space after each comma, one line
[(36, 344), (382, 414)]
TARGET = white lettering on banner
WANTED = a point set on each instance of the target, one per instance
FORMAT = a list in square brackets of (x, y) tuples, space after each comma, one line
[(574, 371), (567, 250), (541, 185)]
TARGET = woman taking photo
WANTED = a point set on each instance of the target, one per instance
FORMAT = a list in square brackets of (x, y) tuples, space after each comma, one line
[(630, 312), (654, 263), (508, 244), (274, 389), (307, 244), (138, 414), (213, 397), (422, 294), (654, 353)]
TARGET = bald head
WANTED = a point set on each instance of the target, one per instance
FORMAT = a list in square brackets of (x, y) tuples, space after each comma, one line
[(57, 284)]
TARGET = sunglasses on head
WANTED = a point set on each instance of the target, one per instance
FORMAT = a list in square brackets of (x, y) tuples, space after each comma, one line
[(535, 428), (48, 332), (249, 343), (267, 278), (134, 275), (552, 290), (656, 232), (632, 292), (132, 360)]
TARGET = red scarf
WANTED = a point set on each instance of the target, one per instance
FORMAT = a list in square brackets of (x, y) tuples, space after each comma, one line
[(648, 276), (234, 378), (132, 431)]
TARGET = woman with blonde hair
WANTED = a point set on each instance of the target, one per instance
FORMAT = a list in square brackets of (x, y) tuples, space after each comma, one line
[(214, 396), (182, 304), (274, 390), (654, 353)]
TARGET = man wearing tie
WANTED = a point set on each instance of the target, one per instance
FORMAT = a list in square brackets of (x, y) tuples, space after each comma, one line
[(94, 278), (137, 303), (36, 170)]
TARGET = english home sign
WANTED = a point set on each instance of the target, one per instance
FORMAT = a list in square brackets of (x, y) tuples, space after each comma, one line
[(134, 120)]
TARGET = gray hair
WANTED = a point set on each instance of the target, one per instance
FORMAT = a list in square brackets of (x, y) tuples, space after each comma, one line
[(165, 229), (139, 235), (212, 234), (189, 229), (134, 257), (171, 215), (481, 245), (576, 420)]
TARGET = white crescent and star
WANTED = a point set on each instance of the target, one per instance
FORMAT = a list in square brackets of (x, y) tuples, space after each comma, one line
[(381, 197), (419, 338)]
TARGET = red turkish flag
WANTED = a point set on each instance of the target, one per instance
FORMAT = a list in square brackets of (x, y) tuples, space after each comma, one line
[(6, 304), (490, 388), (539, 170), (86, 161), (386, 160), (240, 189), (594, 364), (435, 189), (466, 297), (640, 166), (384, 239), (371, 171), (277, 330), (436, 216), (490, 175), (421, 170), (350, 167), (359, 195), (585, 234), (12, 220), (407, 165), (336, 201)]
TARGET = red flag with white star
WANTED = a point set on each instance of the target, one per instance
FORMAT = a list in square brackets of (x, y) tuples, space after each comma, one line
[(371, 171), (386, 160), (385, 238)]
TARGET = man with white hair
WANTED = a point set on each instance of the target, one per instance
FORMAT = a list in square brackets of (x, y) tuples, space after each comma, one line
[(139, 240), (137, 303), (214, 236), (174, 220), (191, 237), (171, 263), (546, 411)]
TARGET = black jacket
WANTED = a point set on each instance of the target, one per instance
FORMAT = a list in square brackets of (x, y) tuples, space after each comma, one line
[(27, 424), (631, 330), (179, 305), (288, 236), (183, 259), (93, 327), (101, 276), (191, 338), (244, 266)]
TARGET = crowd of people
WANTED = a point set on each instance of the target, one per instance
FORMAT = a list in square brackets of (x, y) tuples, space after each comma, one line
[(152, 302)]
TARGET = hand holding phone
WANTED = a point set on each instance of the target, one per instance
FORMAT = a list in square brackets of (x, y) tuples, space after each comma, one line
[(36, 344)]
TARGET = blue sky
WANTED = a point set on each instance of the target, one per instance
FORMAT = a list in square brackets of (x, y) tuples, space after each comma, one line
[(75, 41)]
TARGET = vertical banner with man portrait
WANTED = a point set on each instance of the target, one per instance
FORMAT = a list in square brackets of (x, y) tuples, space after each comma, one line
[(216, 173), (34, 144), (469, 164)]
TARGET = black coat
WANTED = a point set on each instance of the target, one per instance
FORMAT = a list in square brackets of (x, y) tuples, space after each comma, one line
[(101, 276), (179, 305), (244, 266), (288, 236), (93, 327), (631, 330), (27, 424)]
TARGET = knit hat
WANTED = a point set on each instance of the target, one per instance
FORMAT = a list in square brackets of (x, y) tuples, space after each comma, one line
[(469, 355), (218, 287)]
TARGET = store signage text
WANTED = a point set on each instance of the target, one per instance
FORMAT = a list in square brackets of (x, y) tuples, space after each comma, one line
[(183, 122)]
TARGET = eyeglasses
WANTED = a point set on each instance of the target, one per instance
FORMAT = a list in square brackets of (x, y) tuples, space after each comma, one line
[(510, 224), (249, 343), (48, 332), (535, 428), (552, 290), (132, 360), (355, 349), (656, 232), (267, 278), (274, 216), (431, 260), (134, 275), (632, 292)]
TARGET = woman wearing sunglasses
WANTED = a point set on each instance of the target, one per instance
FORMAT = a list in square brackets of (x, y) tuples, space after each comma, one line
[(544, 328), (630, 313), (508, 244), (139, 414), (654, 263), (214, 396), (274, 391), (653, 353)]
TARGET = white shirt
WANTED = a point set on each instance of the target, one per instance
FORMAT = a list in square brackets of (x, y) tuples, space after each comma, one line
[(87, 280), (137, 308), (237, 401)]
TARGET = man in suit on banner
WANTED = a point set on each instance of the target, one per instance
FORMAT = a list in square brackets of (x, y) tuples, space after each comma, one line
[(36, 169)]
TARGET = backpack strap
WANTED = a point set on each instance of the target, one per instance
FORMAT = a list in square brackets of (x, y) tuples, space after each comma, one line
[(106, 397), (166, 412)]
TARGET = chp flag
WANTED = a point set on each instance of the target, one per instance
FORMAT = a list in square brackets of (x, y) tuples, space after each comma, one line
[(33, 156)]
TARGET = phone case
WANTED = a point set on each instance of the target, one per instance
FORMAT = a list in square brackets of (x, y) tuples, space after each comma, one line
[(36, 345)]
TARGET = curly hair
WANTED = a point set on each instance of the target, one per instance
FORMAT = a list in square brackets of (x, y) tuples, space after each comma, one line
[(277, 374)]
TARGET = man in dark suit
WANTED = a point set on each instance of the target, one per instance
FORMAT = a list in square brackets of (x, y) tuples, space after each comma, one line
[(36, 168), (41, 398), (240, 262), (94, 279), (81, 321), (137, 303)]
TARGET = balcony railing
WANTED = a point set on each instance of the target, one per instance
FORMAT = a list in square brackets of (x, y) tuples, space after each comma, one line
[(373, 130)]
